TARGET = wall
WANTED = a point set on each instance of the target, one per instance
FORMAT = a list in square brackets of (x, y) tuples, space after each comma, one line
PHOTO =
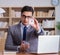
[(12, 3)]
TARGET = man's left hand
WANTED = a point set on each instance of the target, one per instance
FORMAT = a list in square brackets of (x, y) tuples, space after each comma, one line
[(36, 25)]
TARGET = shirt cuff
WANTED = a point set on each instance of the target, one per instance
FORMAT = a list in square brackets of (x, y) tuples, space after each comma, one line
[(39, 31), (18, 49)]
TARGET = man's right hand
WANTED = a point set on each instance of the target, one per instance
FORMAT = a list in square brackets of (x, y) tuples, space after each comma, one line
[(24, 46)]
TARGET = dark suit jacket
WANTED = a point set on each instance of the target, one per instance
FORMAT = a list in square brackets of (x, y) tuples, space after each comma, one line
[(14, 38)]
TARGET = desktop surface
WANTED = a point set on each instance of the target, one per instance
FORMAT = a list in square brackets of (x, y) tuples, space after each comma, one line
[(13, 53)]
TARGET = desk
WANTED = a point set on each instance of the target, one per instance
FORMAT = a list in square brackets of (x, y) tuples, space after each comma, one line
[(1, 53), (36, 54)]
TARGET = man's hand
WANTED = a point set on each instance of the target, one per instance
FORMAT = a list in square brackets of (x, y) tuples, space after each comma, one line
[(36, 25), (24, 46)]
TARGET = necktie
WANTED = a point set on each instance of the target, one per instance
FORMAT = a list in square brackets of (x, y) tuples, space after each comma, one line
[(24, 33)]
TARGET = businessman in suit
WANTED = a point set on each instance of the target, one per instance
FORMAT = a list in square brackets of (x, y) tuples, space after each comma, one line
[(24, 36)]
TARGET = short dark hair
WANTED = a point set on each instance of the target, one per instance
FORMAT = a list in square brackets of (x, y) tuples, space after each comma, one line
[(27, 8)]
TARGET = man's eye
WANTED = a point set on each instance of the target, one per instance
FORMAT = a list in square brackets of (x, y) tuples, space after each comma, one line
[(29, 17), (23, 15)]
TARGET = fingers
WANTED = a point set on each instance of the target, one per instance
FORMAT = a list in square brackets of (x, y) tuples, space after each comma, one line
[(27, 46), (24, 46), (36, 22)]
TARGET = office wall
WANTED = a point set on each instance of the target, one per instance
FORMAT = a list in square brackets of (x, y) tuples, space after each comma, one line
[(9, 3), (25, 2)]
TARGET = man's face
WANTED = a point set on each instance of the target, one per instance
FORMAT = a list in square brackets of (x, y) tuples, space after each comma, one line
[(26, 15)]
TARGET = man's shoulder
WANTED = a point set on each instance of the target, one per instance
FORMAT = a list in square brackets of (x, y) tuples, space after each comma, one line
[(14, 26)]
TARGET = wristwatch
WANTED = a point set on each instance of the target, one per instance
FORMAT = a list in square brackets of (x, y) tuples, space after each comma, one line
[(18, 48)]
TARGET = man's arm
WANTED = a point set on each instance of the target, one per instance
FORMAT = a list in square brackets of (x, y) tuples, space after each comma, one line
[(37, 27), (9, 45), (40, 31)]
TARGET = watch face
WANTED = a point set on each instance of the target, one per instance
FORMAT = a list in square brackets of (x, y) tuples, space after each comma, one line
[(55, 2)]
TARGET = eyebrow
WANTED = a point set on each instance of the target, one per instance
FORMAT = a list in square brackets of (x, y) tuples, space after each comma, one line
[(26, 16)]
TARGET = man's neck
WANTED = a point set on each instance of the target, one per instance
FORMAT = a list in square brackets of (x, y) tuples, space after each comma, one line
[(25, 25)]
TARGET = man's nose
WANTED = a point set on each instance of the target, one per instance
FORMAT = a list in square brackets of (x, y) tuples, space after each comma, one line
[(26, 18)]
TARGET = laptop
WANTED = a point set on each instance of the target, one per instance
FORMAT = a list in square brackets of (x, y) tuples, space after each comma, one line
[(48, 44)]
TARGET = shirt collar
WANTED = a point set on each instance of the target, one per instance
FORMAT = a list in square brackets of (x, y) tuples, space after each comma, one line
[(23, 25)]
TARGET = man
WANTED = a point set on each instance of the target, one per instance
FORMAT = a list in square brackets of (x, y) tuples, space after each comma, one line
[(24, 36)]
